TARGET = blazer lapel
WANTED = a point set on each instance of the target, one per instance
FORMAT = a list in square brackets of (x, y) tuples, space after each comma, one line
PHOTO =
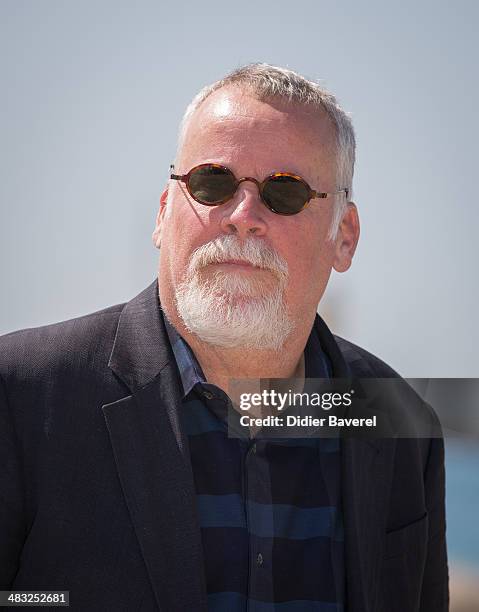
[(152, 457), (366, 474)]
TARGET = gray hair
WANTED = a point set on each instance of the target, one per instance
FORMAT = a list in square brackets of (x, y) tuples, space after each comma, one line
[(268, 82)]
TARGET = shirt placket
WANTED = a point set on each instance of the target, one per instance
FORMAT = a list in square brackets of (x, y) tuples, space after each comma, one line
[(259, 523)]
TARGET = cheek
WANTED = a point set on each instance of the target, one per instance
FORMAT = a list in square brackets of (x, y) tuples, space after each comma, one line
[(183, 232), (175, 246), (310, 258), (309, 249)]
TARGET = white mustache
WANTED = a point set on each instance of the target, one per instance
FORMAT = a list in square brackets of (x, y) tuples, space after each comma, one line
[(225, 248)]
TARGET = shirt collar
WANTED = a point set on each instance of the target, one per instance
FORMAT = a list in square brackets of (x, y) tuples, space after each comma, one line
[(188, 366)]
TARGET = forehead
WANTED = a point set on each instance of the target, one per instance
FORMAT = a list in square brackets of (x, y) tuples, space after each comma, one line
[(233, 126)]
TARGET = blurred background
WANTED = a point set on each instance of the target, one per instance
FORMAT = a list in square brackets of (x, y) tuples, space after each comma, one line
[(92, 93)]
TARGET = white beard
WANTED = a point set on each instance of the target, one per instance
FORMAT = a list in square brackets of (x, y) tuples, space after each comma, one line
[(232, 310)]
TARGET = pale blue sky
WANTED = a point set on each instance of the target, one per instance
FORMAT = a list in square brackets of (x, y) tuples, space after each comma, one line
[(92, 93)]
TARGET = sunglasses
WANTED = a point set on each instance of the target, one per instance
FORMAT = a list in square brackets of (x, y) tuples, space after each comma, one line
[(282, 192)]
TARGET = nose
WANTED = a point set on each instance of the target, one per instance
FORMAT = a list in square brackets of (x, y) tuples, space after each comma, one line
[(245, 214)]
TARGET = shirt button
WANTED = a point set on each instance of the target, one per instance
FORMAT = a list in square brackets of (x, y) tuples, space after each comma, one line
[(259, 560), (208, 395)]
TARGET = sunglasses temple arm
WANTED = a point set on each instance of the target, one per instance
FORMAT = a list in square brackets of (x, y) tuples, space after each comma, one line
[(176, 177), (323, 194)]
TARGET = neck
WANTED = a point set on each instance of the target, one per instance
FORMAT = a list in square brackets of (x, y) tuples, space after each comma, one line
[(221, 365)]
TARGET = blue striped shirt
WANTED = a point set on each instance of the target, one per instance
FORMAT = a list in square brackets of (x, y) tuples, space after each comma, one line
[(269, 510)]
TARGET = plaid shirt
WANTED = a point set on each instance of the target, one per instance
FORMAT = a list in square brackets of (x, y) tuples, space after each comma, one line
[(269, 510)]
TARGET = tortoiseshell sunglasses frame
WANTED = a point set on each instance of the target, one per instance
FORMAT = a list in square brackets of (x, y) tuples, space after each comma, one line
[(185, 178)]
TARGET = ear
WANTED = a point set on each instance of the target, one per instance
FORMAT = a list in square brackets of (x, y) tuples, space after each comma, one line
[(156, 236), (347, 239)]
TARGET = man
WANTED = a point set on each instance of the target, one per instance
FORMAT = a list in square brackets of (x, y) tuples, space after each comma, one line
[(119, 480)]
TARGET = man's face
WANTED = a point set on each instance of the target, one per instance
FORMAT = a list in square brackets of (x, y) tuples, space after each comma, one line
[(253, 138)]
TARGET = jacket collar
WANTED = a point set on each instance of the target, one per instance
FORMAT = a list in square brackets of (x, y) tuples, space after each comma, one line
[(140, 350), (141, 347)]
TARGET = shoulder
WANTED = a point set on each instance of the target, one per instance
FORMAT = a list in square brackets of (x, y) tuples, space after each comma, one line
[(417, 417), (30, 352), (363, 363)]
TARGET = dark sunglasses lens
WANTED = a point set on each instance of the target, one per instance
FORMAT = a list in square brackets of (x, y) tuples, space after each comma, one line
[(285, 195), (211, 184)]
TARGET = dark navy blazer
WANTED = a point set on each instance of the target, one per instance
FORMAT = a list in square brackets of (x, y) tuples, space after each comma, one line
[(96, 487)]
